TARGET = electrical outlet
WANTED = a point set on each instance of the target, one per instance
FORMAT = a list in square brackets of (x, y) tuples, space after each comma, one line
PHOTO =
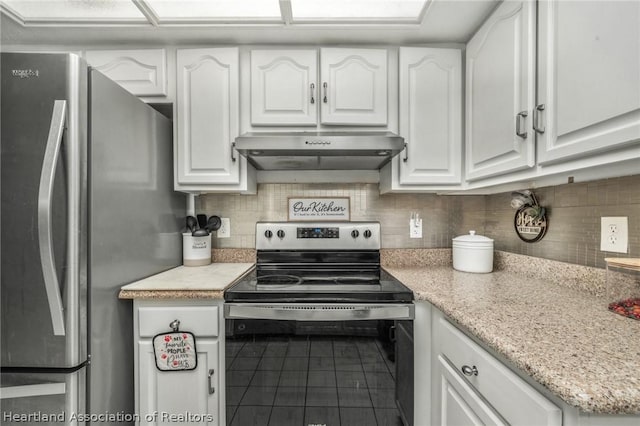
[(614, 234), (225, 228), (415, 226)]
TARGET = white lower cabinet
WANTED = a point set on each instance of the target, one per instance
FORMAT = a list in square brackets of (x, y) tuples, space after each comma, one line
[(459, 404), (179, 397), (470, 386)]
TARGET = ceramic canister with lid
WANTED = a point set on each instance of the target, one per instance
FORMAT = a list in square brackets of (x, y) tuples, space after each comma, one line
[(473, 253)]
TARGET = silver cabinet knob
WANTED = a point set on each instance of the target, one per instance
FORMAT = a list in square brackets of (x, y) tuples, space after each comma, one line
[(469, 371), (175, 325)]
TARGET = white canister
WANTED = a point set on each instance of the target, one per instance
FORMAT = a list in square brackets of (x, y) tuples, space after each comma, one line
[(196, 251), (473, 253)]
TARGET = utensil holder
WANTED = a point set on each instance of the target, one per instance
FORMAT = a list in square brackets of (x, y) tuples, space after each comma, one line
[(196, 251)]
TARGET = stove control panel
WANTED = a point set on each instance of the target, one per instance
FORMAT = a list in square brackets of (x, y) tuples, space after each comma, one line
[(318, 236), (318, 232)]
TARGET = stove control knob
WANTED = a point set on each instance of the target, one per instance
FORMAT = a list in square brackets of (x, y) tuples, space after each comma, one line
[(367, 233), (355, 233), (280, 233), (268, 234)]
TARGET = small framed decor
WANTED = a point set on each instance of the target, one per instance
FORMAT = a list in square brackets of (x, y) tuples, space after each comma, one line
[(175, 350), (530, 221), (319, 209)]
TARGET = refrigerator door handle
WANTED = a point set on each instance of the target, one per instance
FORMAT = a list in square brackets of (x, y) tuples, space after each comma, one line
[(45, 237)]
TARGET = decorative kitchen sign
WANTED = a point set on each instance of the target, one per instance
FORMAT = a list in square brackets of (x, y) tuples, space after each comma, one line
[(529, 226), (175, 351), (530, 221), (319, 208)]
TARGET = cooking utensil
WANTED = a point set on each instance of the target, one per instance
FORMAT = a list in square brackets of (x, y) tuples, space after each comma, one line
[(202, 220), (213, 224), (192, 223), (200, 233)]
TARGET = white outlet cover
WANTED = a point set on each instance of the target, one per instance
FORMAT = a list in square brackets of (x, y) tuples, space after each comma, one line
[(415, 228), (225, 228), (614, 234)]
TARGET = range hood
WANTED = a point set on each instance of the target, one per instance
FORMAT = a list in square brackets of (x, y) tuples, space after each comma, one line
[(319, 150)]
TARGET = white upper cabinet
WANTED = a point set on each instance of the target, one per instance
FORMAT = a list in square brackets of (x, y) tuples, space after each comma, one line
[(588, 77), (500, 92), (284, 87), (207, 121), (351, 89), (141, 72), (354, 86), (430, 115)]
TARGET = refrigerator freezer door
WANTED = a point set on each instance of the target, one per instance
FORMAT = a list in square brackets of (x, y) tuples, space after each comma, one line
[(43, 399), (31, 83), (135, 222)]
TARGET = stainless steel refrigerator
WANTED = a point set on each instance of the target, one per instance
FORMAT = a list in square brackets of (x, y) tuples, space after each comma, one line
[(87, 206)]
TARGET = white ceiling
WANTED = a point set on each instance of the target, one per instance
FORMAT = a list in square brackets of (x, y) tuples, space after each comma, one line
[(157, 22)]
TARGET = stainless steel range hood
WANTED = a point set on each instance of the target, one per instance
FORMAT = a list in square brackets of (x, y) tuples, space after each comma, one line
[(319, 150)]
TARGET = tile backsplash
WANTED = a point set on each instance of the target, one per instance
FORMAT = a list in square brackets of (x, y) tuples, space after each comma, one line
[(574, 212)]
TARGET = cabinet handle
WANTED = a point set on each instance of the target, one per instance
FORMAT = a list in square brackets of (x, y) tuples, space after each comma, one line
[(233, 147), (406, 153), (212, 389), (313, 91), (469, 371), (536, 114), (324, 86), (521, 114)]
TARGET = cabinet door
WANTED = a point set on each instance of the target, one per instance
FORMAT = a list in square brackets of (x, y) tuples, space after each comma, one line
[(179, 392), (459, 404), (284, 87), (588, 77), (430, 115), (499, 92), (207, 116), (353, 86), (141, 72)]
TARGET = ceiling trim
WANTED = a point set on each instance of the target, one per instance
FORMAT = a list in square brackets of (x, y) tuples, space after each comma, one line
[(151, 18), (147, 11), (285, 11), (15, 16)]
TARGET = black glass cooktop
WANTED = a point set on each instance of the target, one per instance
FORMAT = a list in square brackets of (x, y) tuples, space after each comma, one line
[(318, 286)]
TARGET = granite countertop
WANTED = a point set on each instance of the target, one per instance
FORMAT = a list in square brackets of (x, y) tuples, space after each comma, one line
[(547, 318), (187, 282), (564, 338)]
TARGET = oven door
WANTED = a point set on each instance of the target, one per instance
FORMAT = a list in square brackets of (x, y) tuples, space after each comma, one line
[(314, 363)]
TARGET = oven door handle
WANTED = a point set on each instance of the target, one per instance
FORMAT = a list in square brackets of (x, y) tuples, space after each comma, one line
[(319, 311)]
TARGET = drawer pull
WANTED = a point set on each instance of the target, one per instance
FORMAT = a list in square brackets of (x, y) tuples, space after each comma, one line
[(175, 325), (212, 389), (469, 371)]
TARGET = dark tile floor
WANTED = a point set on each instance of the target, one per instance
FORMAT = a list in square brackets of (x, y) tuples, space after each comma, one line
[(311, 380)]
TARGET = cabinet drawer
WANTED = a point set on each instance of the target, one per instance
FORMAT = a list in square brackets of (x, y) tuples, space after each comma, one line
[(515, 400), (200, 320)]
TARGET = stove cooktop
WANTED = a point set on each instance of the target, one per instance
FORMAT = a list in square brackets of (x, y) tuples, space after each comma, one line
[(342, 288)]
